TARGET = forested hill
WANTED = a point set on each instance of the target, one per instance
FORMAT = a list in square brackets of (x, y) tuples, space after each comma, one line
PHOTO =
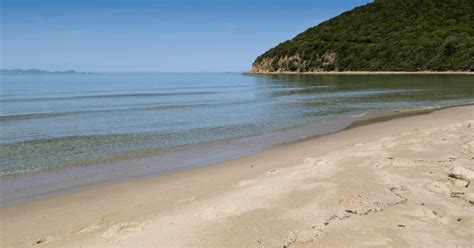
[(386, 35)]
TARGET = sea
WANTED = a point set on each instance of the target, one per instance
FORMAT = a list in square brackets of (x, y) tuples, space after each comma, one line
[(51, 124)]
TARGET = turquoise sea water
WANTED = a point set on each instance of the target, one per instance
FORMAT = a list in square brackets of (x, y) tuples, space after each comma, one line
[(54, 121)]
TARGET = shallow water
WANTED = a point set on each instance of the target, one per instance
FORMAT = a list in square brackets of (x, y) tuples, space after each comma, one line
[(54, 121)]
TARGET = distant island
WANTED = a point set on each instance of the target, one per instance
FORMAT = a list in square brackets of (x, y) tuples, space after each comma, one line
[(386, 35), (36, 71)]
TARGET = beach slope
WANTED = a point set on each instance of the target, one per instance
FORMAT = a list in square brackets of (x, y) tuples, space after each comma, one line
[(402, 182)]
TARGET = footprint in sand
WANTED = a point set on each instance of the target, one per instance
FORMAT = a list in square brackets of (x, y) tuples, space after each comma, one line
[(186, 200), (439, 215), (303, 236), (215, 212), (419, 149), (353, 200), (308, 169), (390, 145), (90, 228), (368, 154), (120, 229), (438, 187), (402, 162), (274, 170), (245, 183), (400, 190), (469, 147), (429, 214), (86, 229), (303, 174), (357, 204), (383, 179), (311, 161), (460, 183), (43, 240), (460, 172), (468, 197)]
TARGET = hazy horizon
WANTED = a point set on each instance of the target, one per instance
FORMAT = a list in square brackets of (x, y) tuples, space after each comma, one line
[(152, 36), (131, 72)]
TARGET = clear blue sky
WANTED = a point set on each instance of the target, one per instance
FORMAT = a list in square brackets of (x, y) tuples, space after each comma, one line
[(153, 35)]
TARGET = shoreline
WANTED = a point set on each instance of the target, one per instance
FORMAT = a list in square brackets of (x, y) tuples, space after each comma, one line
[(32, 186), (372, 175), (62, 181), (365, 73), (39, 185)]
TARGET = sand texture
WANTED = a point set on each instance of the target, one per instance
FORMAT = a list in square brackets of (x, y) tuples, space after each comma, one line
[(406, 182)]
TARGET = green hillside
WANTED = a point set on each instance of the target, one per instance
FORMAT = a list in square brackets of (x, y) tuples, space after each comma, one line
[(386, 35)]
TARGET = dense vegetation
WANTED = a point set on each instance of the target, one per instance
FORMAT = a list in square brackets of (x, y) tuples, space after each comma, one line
[(386, 35)]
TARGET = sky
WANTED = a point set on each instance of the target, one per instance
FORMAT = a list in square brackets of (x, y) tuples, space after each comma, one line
[(152, 35)]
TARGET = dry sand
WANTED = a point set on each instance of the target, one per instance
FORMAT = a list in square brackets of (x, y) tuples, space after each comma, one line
[(403, 182)]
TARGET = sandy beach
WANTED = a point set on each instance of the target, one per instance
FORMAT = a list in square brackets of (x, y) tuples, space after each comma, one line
[(402, 182)]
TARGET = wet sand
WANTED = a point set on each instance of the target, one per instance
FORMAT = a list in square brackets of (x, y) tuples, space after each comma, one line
[(401, 182)]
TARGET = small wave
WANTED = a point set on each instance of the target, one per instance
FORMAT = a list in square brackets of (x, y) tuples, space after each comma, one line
[(436, 107), (358, 115), (108, 96), (30, 116)]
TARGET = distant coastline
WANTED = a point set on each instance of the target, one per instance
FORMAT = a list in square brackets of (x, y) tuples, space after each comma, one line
[(364, 73), (36, 72)]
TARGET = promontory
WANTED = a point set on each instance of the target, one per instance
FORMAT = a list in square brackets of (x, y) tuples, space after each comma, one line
[(385, 35)]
